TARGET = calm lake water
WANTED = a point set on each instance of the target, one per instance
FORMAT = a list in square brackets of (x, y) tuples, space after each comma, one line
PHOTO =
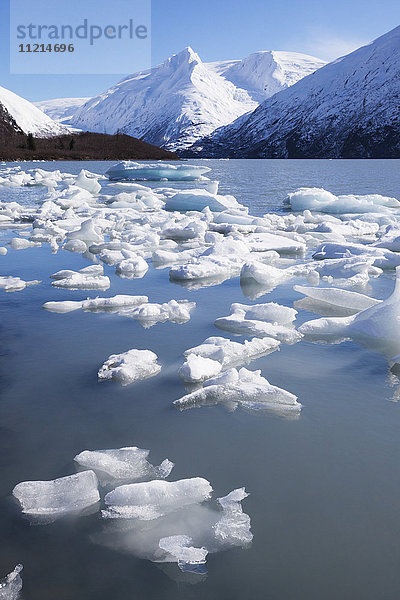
[(324, 489)]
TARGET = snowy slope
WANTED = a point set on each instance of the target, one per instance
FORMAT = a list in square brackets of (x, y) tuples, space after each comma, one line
[(263, 74), (347, 108), (184, 99), (28, 117), (61, 109)]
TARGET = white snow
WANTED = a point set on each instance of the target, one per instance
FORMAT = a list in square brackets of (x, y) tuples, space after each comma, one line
[(28, 117), (176, 103), (61, 109), (129, 366)]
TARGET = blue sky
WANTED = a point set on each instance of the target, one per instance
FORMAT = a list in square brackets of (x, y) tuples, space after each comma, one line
[(221, 30)]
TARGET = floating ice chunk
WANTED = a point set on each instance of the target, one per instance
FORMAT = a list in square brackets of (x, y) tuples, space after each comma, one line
[(89, 278), (132, 267), (261, 320), (380, 257), (147, 501), (77, 246), (338, 297), (88, 181), (263, 242), (380, 324), (175, 311), (3, 251), (197, 369), (321, 200), (124, 464), (114, 303), (270, 311), (208, 268), (63, 307), (200, 199), (217, 353), (58, 497), (72, 197), (245, 388), (15, 284), (130, 366), (180, 549), (88, 233), (155, 171), (233, 528), (11, 585), (267, 276), (90, 270), (22, 244)]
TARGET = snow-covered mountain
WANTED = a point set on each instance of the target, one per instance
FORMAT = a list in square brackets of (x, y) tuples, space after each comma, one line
[(184, 99), (348, 108), (263, 74), (26, 117), (61, 109)]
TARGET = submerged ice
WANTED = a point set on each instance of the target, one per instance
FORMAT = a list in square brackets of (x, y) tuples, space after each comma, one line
[(11, 585)]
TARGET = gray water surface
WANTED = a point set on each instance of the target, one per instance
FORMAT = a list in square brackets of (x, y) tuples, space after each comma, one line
[(324, 489)]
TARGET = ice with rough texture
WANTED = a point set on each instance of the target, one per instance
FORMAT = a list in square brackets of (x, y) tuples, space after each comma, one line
[(58, 497), (261, 320), (11, 585), (234, 526), (321, 200), (242, 388), (114, 303), (175, 311), (88, 278), (180, 549), (199, 200), (155, 171), (123, 464), (377, 327), (129, 366), (216, 354), (15, 284), (147, 501)]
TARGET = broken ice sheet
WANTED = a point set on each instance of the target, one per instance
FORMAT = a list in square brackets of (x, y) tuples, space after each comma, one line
[(184, 536), (129, 366), (11, 585), (15, 284), (244, 388), (46, 501), (216, 354), (123, 465), (153, 499)]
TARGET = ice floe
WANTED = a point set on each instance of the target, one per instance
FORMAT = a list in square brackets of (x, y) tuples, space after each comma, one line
[(244, 388), (216, 354), (321, 200), (154, 499), (11, 585), (155, 171), (49, 500), (377, 327), (129, 366), (15, 284), (123, 464), (88, 278), (261, 320)]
